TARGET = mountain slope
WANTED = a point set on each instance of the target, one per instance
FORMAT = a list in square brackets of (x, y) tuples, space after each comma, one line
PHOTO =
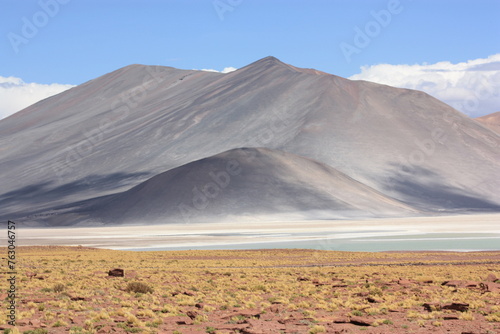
[(491, 121), (116, 131), (248, 182)]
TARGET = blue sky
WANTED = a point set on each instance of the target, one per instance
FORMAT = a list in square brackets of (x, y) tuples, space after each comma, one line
[(74, 41)]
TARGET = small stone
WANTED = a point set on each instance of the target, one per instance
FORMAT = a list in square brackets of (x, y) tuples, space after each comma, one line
[(274, 309), (462, 307), (453, 284), (359, 321), (491, 278), (192, 314), (341, 320), (432, 307), (116, 272)]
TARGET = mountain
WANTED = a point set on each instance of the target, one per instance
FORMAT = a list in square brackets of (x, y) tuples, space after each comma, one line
[(247, 183), (116, 132), (491, 121)]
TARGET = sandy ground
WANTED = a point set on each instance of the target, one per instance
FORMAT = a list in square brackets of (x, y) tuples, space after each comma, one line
[(191, 235)]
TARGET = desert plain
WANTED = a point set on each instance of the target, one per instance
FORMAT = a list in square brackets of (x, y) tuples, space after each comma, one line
[(64, 284)]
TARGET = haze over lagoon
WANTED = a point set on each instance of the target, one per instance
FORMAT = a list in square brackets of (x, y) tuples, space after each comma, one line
[(453, 233)]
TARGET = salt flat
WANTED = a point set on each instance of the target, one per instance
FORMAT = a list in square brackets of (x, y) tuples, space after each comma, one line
[(253, 232)]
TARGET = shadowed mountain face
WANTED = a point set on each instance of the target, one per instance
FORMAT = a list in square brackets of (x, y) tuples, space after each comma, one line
[(258, 182), (491, 121), (117, 131)]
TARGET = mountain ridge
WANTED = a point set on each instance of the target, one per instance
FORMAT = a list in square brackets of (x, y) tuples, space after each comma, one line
[(119, 130)]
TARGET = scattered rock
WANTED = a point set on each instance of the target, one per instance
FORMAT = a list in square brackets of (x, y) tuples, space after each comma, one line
[(491, 278), (199, 305), (362, 294), (318, 283), (451, 317), (274, 309), (232, 327), (341, 320), (181, 320), (472, 284), (30, 275), (243, 313), (187, 293), (372, 300), (489, 287), (462, 307), (35, 323), (287, 321), (192, 314), (432, 307), (359, 321), (454, 283), (302, 279), (116, 272), (77, 298), (251, 331)]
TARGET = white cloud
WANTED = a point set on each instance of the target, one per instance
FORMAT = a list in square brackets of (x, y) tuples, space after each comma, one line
[(15, 94), (225, 70), (472, 87), (228, 69)]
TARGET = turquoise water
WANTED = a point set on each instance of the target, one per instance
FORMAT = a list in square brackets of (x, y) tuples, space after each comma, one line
[(415, 242)]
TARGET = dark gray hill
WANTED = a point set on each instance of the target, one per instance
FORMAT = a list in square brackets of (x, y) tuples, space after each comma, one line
[(242, 183)]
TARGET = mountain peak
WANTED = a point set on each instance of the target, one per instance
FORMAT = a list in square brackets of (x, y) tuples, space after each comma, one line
[(268, 61), (273, 62), (271, 59)]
